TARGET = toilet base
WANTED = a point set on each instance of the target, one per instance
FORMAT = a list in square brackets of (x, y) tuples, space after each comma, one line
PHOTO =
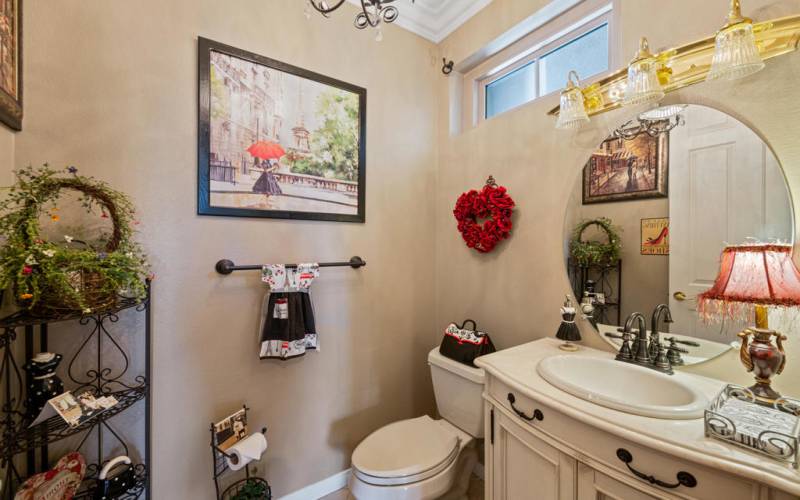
[(435, 487)]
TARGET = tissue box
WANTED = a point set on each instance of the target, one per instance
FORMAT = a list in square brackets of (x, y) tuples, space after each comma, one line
[(735, 417)]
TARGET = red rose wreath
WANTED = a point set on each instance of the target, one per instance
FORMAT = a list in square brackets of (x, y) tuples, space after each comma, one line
[(494, 206)]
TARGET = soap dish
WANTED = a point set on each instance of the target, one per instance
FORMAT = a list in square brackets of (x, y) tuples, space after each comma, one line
[(735, 417)]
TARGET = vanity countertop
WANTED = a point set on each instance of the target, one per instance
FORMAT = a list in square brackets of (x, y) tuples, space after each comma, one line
[(682, 438)]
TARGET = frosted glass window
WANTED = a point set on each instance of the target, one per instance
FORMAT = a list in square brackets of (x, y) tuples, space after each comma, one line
[(587, 54), (510, 91)]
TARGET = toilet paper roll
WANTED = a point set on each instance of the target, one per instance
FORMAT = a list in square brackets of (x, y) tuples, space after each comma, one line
[(245, 451)]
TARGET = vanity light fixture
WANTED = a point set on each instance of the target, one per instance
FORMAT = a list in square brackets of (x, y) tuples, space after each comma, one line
[(373, 12), (738, 49), (573, 105), (643, 84), (735, 51)]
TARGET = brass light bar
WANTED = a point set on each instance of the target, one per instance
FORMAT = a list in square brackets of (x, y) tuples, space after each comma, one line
[(690, 63)]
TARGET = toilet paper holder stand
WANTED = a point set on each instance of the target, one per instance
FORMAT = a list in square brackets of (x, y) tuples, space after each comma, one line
[(221, 466)]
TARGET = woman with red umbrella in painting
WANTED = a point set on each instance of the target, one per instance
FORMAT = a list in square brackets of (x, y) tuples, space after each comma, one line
[(267, 151)]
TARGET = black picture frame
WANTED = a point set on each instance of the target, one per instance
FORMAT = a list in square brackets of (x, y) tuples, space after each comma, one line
[(204, 206), (11, 106)]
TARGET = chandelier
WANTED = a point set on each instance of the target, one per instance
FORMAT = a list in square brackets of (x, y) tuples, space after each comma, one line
[(373, 12), (653, 122)]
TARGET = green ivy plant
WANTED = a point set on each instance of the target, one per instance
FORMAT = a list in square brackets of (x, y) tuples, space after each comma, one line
[(591, 253), (252, 490), (32, 267)]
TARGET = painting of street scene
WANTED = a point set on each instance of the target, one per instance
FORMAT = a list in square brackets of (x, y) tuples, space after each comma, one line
[(282, 144), (627, 169), (10, 55)]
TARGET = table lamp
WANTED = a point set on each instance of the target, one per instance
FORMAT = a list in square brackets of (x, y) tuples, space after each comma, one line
[(752, 278)]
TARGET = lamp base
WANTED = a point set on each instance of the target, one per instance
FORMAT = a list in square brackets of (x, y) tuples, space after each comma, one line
[(765, 359), (764, 393)]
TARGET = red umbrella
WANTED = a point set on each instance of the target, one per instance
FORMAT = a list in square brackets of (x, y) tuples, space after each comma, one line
[(266, 150)]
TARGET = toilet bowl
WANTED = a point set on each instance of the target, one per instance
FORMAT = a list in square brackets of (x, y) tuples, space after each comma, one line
[(422, 458)]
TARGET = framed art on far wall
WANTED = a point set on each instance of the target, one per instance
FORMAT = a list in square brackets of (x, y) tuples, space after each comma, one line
[(278, 141), (621, 170), (11, 63), (655, 236)]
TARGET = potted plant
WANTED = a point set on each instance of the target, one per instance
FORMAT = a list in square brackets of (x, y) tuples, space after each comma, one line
[(593, 252)]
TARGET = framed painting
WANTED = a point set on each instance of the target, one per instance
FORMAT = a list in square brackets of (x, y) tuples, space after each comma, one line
[(655, 236), (621, 170), (278, 141), (11, 63)]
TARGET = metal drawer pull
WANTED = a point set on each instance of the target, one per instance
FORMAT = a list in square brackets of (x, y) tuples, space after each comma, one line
[(537, 414), (684, 478)]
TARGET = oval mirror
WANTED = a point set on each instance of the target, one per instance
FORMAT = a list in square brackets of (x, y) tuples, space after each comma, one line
[(655, 206)]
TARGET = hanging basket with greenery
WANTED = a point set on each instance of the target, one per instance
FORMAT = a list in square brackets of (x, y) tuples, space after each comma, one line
[(69, 275), (596, 253)]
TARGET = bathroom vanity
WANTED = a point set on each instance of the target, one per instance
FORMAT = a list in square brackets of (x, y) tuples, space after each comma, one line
[(543, 442)]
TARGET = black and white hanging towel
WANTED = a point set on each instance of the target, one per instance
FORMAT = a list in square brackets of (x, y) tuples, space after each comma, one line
[(287, 325)]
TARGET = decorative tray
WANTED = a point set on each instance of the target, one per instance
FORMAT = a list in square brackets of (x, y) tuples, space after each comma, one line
[(735, 417)]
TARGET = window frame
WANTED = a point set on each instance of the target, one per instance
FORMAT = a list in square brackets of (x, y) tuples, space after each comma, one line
[(547, 38)]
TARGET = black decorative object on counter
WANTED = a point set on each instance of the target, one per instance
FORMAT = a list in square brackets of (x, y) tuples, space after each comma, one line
[(568, 331), (45, 384), (103, 377)]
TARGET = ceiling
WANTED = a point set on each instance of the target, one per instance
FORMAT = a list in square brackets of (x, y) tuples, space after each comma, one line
[(435, 19)]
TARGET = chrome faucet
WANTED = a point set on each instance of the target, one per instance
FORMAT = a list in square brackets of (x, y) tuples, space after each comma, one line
[(660, 310)]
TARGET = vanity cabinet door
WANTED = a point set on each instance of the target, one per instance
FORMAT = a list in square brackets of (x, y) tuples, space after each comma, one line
[(594, 485), (526, 467)]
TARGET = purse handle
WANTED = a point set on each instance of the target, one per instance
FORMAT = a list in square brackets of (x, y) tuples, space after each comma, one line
[(463, 325), (111, 464)]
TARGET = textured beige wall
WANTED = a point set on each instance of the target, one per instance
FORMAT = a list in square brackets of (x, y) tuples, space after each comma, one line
[(516, 291), (111, 87)]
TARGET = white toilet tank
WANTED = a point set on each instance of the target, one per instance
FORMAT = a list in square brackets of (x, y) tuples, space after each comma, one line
[(458, 388)]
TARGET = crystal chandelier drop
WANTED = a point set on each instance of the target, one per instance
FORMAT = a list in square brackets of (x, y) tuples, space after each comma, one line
[(373, 12)]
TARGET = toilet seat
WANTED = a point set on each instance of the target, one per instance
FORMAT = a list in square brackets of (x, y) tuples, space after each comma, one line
[(406, 452)]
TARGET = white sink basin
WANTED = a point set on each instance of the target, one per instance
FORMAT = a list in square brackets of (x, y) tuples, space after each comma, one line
[(625, 387)]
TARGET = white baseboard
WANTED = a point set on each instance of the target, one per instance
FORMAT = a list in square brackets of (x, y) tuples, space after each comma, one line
[(321, 488)]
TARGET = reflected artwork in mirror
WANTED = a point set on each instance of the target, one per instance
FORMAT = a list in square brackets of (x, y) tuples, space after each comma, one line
[(689, 187)]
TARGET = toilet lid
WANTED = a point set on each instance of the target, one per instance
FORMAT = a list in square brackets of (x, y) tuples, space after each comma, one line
[(406, 451)]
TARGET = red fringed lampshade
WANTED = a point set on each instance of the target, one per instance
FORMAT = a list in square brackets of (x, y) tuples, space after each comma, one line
[(749, 275)]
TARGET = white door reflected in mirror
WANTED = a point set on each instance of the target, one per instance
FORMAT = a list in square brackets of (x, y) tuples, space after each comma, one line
[(725, 186), (677, 191)]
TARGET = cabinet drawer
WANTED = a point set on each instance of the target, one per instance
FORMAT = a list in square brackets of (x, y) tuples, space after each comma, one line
[(601, 451)]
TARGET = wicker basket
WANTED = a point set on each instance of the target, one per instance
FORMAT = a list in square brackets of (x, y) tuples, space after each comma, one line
[(88, 285)]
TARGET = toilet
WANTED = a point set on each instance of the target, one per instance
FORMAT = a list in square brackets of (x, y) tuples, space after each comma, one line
[(422, 458)]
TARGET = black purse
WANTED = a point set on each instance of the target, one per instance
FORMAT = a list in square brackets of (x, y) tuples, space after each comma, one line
[(116, 478), (464, 345)]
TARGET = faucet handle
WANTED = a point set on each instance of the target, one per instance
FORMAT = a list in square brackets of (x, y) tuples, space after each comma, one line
[(673, 341), (614, 336)]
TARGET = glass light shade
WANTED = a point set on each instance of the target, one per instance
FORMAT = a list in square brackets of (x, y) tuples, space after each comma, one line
[(572, 114), (643, 85), (735, 54), (662, 112)]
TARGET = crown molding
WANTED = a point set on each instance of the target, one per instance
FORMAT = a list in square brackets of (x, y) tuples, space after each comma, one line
[(434, 19)]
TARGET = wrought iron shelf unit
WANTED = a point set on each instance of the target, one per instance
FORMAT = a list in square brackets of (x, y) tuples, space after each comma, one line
[(101, 378), (608, 281)]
